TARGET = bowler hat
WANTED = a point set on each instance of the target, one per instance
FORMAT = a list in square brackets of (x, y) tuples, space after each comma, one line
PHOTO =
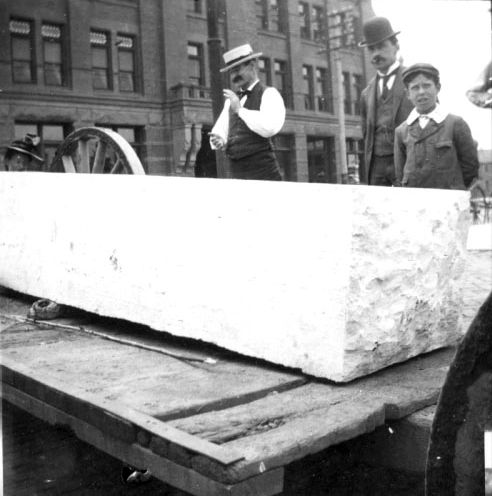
[(28, 146), (420, 68), (238, 55), (376, 30)]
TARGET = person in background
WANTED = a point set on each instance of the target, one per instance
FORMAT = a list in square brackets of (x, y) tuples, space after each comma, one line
[(433, 149), (249, 119), (384, 104), (205, 161), (23, 155)]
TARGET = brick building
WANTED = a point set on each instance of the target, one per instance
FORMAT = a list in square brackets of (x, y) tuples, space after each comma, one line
[(141, 67)]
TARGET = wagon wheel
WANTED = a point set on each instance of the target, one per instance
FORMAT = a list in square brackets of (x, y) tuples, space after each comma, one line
[(96, 150), (455, 459)]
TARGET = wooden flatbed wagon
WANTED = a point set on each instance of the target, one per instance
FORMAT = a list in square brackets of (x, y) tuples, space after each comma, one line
[(203, 420)]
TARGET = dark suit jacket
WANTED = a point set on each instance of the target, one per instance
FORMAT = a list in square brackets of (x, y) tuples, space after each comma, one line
[(439, 156), (402, 106)]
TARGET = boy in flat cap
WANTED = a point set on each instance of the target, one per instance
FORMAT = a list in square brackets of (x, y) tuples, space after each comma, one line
[(433, 149), (384, 104), (249, 119), (23, 155)]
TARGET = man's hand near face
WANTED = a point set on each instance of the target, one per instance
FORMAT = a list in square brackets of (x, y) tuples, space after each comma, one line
[(234, 99)]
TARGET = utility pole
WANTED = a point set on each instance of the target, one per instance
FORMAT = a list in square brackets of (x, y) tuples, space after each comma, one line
[(340, 36), (214, 64)]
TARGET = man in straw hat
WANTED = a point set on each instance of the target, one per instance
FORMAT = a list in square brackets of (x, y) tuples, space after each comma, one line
[(252, 114), (384, 104), (23, 155)]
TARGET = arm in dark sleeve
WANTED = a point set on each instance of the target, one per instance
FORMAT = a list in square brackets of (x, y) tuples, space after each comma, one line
[(363, 113), (400, 155), (466, 150)]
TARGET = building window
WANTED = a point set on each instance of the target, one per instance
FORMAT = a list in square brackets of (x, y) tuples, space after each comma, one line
[(195, 64), (264, 71), (307, 87), (322, 90), (195, 6), (347, 100), (277, 16), (51, 134), (126, 62), (270, 15), (284, 152), (358, 86), (53, 55), (304, 20), (321, 160), (261, 7), (101, 74), (281, 81), (318, 25), (21, 42)]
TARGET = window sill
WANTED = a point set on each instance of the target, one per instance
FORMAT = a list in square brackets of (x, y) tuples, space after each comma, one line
[(272, 34)]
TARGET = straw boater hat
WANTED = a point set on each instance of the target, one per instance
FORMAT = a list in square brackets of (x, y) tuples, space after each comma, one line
[(28, 146), (238, 55), (377, 30)]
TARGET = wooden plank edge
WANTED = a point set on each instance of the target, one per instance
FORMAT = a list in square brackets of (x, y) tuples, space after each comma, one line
[(183, 478), (224, 404), (117, 412)]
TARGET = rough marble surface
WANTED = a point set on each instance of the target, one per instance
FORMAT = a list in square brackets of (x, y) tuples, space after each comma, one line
[(339, 281)]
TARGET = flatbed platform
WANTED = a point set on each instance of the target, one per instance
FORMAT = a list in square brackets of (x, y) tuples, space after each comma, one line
[(202, 419)]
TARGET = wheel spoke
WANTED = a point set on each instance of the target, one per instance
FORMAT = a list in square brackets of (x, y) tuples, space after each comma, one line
[(117, 165), (68, 163), (83, 146), (98, 167)]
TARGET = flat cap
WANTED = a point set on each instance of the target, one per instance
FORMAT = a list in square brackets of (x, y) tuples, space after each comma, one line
[(420, 68)]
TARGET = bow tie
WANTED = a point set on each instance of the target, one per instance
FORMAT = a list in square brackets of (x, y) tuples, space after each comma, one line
[(242, 93), (423, 120)]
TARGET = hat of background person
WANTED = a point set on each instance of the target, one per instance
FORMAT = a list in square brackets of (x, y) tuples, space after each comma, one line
[(28, 146), (420, 68), (376, 30), (239, 55)]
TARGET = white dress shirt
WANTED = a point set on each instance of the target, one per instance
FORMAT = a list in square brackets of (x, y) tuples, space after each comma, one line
[(437, 115), (391, 79), (266, 122)]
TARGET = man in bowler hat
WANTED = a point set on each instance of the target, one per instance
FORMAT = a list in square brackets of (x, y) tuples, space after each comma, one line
[(252, 114), (384, 104)]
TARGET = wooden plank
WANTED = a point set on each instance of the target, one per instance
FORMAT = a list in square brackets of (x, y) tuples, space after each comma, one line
[(281, 428), (103, 411), (155, 384), (267, 484)]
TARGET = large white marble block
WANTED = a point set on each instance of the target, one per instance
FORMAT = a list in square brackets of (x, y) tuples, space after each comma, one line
[(336, 280)]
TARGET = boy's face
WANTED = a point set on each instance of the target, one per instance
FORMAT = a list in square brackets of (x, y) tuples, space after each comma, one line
[(18, 162), (422, 92)]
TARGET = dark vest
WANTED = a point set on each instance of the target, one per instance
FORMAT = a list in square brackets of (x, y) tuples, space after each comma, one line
[(384, 134), (241, 141)]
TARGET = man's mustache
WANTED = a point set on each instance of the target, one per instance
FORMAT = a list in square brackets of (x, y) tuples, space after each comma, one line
[(236, 79), (377, 59)]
